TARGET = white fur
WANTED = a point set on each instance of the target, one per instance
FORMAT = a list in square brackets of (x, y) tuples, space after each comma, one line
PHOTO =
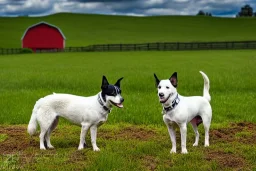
[(84, 111), (186, 110)]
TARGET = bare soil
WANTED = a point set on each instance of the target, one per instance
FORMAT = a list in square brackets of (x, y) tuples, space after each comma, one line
[(19, 142), (230, 134)]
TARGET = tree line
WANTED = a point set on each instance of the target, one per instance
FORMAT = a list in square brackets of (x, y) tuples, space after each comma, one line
[(245, 11)]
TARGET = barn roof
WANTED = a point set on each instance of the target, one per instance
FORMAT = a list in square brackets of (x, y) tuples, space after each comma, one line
[(43, 22)]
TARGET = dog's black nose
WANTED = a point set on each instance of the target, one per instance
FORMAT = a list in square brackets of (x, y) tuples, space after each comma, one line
[(161, 94), (122, 100)]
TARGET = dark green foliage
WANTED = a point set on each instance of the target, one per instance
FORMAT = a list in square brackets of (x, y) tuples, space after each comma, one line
[(26, 50), (246, 11), (202, 13)]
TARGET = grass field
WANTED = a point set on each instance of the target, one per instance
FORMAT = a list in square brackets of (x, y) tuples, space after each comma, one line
[(101, 29), (26, 78), (134, 137)]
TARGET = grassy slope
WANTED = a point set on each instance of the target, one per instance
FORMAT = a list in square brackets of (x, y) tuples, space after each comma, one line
[(82, 30), (26, 78)]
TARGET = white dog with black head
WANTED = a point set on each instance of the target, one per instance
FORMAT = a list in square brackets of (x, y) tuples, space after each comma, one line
[(180, 110), (87, 112)]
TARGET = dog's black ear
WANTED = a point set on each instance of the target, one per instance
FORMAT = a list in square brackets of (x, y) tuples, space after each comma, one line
[(174, 79), (157, 80), (118, 82), (104, 82)]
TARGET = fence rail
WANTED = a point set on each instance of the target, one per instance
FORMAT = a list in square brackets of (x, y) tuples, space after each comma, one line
[(163, 46)]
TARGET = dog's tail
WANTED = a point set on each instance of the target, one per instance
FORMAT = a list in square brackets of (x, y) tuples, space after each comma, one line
[(32, 126), (206, 86)]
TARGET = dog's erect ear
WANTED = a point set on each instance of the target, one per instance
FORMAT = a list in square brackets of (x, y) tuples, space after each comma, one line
[(174, 79), (118, 82), (104, 82), (157, 80)]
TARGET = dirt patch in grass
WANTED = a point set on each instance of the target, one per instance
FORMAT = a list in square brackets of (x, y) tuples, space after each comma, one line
[(226, 160), (77, 156), (132, 133), (18, 142), (229, 134), (149, 162), (17, 139)]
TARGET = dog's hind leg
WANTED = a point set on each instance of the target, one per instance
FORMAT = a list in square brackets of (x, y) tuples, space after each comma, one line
[(194, 125), (48, 134), (45, 120), (206, 129), (206, 123), (84, 130)]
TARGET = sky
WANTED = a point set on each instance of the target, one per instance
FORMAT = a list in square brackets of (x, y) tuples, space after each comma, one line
[(222, 8)]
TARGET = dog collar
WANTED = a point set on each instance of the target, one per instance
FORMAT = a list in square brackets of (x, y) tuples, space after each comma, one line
[(102, 104), (175, 102)]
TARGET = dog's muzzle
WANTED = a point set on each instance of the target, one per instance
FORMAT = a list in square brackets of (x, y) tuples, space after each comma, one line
[(161, 97), (120, 105)]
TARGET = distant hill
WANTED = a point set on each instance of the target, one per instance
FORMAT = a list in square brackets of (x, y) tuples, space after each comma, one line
[(85, 29)]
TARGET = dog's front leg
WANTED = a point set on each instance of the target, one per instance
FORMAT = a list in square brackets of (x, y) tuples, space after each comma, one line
[(183, 134), (93, 130), (172, 134), (84, 129)]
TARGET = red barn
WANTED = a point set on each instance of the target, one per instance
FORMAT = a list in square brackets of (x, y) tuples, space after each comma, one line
[(43, 36)]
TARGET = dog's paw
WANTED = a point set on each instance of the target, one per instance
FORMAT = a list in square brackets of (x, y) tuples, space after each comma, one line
[(195, 144), (80, 147), (96, 149), (42, 148), (173, 151), (206, 145), (184, 151), (50, 147)]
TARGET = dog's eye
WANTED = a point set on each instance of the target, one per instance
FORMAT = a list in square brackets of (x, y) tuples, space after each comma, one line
[(167, 87), (159, 87)]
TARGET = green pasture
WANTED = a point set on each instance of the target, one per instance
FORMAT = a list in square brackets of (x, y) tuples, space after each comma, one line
[(26, 78), (135, 137), (82, 29)]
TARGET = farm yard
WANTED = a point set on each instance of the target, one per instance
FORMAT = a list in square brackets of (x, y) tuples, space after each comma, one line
[(134, 137)]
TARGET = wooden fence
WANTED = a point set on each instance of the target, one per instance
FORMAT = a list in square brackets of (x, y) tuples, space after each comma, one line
[(163, 46)]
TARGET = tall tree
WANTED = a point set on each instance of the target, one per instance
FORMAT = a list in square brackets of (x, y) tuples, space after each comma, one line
[(246, 11)]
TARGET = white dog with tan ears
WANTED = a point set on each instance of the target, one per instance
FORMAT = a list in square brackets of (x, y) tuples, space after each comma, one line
[(179, 110), (87, 112)]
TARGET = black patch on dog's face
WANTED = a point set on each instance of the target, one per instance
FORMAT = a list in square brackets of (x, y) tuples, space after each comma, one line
[(108, 89), (111, 90)]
